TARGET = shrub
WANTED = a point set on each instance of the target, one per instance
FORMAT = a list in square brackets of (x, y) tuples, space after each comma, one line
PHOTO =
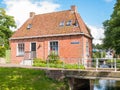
[(2, 51), (39, 62), (52, 58), (73, 66), (55, 64)]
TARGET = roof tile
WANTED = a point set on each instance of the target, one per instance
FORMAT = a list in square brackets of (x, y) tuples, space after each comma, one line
[(48, 24)]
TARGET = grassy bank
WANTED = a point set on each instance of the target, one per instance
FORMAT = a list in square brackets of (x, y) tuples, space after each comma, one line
[(27, 79)]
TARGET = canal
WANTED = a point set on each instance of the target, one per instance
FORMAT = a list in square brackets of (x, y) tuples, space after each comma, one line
[(105, 85)]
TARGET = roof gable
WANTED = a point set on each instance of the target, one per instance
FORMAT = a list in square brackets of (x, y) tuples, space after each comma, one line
[(48, 24)]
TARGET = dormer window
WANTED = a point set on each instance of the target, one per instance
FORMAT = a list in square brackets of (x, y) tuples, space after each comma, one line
[(29, 26), (61, 23), (76, 23), (69, 23)]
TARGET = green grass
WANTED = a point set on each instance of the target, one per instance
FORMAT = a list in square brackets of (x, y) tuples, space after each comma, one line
[(27, 79)]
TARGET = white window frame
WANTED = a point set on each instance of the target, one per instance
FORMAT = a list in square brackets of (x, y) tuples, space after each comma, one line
[(76, 24), (30, 45), (19, 53), (49, 46), (36, 47), (29, 26), (62, 23), (69, 23)]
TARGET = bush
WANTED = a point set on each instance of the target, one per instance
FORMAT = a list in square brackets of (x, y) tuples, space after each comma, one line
[(39, 62), (52, 58), (55, 64), (73, 66), (2, 51)]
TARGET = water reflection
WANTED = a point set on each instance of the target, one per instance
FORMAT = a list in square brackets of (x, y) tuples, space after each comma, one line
[(106, 85)]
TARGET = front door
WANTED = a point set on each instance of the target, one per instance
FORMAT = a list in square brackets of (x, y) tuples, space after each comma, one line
[(33, 50)]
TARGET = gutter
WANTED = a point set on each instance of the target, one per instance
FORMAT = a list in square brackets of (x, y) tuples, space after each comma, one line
[(31, 37)]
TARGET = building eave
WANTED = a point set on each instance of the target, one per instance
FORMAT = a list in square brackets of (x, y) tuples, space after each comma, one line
[(44, 36)]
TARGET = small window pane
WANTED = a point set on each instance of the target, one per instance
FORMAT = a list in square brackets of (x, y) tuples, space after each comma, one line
[(20, 49), (69, 23), (33, 46), (54, 47), (29, 26), (76, 23), (61, 23)]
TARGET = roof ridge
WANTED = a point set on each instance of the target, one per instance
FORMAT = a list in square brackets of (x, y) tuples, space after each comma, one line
[(52, 12)]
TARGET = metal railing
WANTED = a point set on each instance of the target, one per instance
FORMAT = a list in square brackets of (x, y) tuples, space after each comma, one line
[(28, 58), (29, 55), (89, 63), (95, 63)]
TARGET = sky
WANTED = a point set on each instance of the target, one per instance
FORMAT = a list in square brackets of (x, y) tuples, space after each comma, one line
[(93, 12)]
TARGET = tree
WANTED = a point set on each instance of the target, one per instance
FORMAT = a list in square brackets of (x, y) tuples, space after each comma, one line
[(112, 30), (98, 51), (6, 23)]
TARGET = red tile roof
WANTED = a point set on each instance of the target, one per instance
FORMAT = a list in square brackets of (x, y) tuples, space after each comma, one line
[(48, 24)]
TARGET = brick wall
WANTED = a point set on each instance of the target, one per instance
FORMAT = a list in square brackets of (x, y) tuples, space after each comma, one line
[(68, 47)]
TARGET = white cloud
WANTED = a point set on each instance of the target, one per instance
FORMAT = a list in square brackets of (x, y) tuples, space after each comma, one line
[(108, 0), (97, 33), (20, 8)]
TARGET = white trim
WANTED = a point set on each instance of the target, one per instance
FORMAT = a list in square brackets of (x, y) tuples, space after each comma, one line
[(49, 36), (49, 45), (36, 47), (30, 45), (17, 48)]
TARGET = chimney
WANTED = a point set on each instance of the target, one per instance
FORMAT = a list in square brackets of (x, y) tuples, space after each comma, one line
[(74, 8), (32, 14)]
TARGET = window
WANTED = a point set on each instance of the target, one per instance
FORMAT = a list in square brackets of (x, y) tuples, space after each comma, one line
[(76, 23), (69, 23), (29, 26), (61, 23), (20, 49), (87, 48), (33, 46), (54, 47)]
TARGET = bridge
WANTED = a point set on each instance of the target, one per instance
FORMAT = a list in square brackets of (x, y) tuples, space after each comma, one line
[(82, 78), (76, 77)]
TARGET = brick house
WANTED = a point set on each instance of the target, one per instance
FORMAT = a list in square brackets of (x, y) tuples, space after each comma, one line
[(63, 32)]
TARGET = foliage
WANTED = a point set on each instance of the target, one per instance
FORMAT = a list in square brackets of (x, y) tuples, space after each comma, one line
[(98, 46), (98, 54), (27, 79), (73, 66), (112, 30), (2, 51), (53, 57), (98, 51), (8, 55), (39, 62), (56, 64), (6, 23)]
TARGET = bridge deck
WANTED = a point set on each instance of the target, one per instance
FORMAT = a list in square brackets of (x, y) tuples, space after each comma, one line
[(85, 74)]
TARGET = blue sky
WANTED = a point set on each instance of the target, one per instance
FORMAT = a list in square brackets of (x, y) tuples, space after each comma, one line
[(93, 12)]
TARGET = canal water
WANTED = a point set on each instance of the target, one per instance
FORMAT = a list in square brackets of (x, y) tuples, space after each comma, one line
[(105, 85)]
